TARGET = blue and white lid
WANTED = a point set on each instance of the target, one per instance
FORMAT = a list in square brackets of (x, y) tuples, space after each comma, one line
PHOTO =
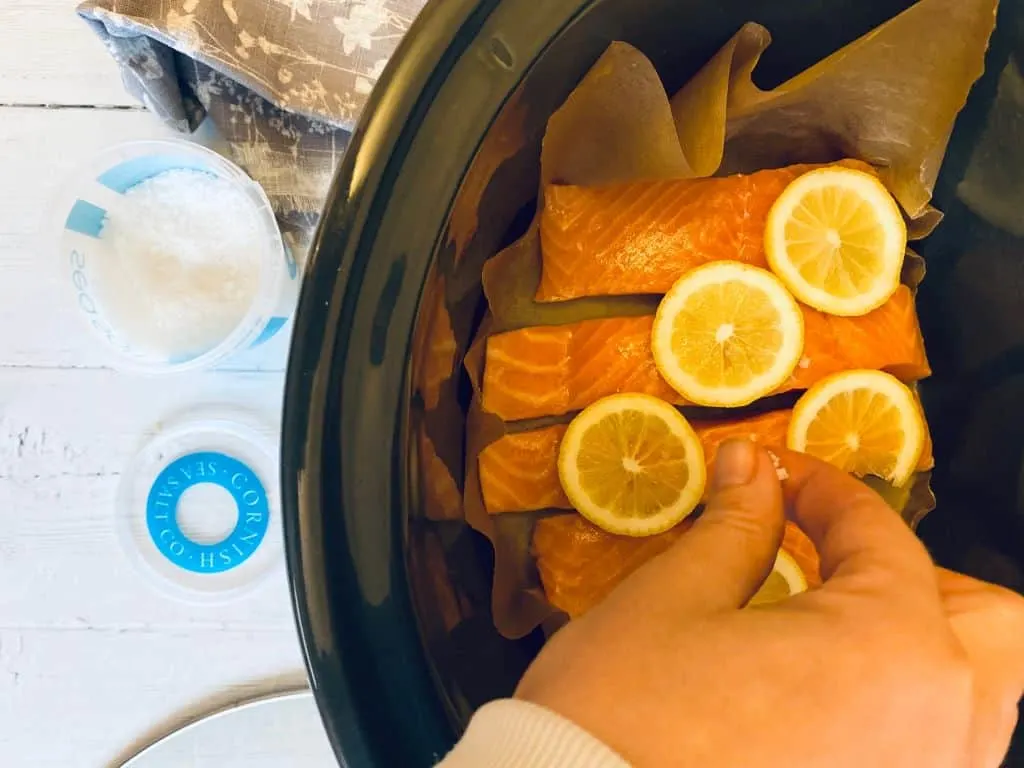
[(198, 509)]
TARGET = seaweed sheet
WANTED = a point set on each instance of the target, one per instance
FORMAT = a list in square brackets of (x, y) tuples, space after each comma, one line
[(889, 98)]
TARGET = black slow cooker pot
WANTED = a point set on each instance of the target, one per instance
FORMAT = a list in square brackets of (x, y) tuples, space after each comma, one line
[(392, 599)]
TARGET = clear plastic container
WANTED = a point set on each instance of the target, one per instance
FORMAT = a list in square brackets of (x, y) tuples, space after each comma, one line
[(99, 186), (173, 530)]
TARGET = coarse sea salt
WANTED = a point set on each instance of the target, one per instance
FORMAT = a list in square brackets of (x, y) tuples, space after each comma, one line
[(182, 265), (780, 470)]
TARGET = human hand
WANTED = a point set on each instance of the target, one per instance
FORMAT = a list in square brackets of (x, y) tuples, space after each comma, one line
[(892, 662)]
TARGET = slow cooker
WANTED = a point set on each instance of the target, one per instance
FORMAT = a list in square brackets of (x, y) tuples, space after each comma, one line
[(391, 589)]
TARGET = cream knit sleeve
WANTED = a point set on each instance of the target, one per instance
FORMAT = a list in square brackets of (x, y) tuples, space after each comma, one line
[(516, 734)]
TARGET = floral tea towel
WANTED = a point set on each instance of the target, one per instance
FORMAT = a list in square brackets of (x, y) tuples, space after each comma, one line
[(283, 81)]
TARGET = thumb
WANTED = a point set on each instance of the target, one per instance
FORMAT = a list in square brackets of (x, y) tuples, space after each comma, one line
[(722, 561)]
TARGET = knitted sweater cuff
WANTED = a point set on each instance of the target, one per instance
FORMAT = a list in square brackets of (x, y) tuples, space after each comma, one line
[(516, 734)]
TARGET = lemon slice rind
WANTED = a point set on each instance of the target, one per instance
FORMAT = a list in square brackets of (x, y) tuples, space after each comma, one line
[(787, 567), (889, 387), (720, 272), (889, 220), (689, 497)]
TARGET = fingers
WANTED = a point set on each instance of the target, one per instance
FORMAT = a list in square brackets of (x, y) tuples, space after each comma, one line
[(722, 561), (856, 534)]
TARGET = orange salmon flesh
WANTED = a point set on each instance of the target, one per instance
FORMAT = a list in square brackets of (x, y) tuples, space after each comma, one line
[(551, 370), (519, 472), (642, 236), (579, 564)]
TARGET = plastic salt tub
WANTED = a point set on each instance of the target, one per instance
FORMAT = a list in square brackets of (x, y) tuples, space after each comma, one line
[(94, 193)]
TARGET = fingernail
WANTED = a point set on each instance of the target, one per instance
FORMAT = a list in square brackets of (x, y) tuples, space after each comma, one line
[(735, 463)]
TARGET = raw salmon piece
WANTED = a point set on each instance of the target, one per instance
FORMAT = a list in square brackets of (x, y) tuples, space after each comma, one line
[(519, 472), (551, 370), (579, 564), (643, 236)]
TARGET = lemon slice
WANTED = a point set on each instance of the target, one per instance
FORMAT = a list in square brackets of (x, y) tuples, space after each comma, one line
[(864, 422), (632, 465), (785, 580), (837, 239), (727, 334)]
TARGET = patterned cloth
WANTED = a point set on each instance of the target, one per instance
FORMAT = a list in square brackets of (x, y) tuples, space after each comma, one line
[(283, 81)]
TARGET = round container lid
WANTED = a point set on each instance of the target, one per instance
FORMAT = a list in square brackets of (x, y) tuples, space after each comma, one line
[(278, 730), (198, 509)]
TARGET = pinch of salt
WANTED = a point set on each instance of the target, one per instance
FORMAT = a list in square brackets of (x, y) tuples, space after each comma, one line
[(780, 470)]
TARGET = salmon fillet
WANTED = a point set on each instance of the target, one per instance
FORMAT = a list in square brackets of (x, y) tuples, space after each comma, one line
[(552, 370), (519, 472), (579, 564), (641, 237)]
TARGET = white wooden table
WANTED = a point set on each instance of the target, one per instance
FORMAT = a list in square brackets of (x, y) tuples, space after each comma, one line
[(93, 661)]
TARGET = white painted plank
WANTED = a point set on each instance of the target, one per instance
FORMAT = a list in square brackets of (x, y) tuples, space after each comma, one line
[(45, 327), (41, 151), (91, 698), (65, 437), (48, 55), (42, 148), (86, 645)]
